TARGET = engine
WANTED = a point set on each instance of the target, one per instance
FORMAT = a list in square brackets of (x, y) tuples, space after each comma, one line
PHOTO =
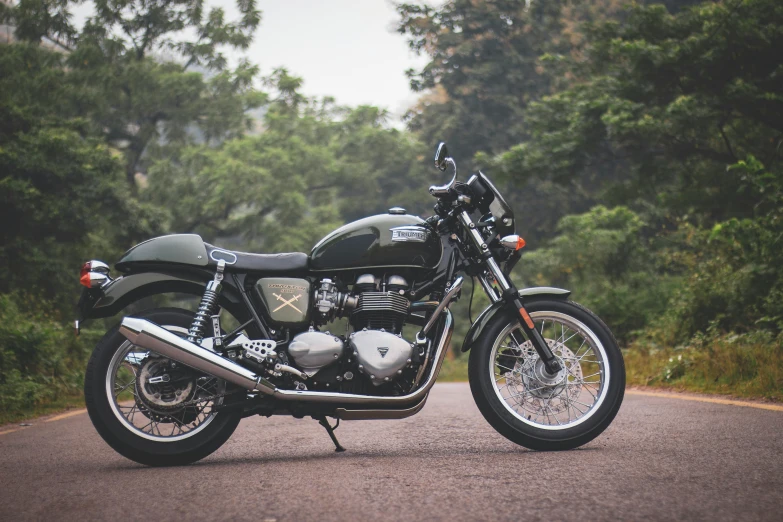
[(376, 310), (380, 308)]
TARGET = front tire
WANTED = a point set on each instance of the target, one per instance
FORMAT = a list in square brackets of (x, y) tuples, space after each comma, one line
[(113, 404), (537, 410)]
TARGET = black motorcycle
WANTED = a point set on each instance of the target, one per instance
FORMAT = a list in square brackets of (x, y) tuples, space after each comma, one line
[(169, 386)]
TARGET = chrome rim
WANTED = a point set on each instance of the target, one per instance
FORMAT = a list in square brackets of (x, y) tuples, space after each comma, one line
[(550, 402), (150, 410)]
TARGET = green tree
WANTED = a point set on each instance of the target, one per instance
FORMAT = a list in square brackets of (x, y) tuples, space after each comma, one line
[(605, 257), (489, 60), (679, 117), (139, 76), (670, 102), (311, 168), (60, 187), (483, 69)]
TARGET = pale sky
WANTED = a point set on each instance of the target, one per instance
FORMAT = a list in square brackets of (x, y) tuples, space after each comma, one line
[(347, 49), (342, 48)]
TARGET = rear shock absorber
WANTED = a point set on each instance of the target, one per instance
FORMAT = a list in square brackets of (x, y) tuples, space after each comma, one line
[(208, 302)]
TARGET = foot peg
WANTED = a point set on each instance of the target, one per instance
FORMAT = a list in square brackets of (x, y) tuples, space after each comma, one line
[(330, 430)]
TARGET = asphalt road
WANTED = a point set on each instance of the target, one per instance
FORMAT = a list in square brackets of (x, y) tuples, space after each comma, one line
[(662, 459)]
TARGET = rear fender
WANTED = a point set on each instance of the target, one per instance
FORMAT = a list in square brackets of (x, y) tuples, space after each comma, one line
[(123, 291), (486, 316)]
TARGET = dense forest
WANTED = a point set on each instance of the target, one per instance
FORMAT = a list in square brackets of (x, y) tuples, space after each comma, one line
[(639, 143)]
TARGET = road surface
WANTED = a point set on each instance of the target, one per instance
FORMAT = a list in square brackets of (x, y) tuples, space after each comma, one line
[(662, 459)]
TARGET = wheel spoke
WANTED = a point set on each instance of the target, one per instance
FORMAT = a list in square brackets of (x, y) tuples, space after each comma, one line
[(154, 412), (123, 388), (536, 398)]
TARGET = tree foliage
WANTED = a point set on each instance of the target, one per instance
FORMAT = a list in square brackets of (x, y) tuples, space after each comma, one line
[(489, 60), (670, 102), (678, 115), (604, 257), (141, 76), (314, 167), (483, 68), (59, 191), (491, 63)]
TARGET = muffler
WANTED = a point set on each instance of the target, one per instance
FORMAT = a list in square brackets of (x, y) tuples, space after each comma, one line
[(150, 336)]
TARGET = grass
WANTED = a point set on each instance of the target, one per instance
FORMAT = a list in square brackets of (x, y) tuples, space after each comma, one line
[(454, 369), (748, 366), (39, 410)]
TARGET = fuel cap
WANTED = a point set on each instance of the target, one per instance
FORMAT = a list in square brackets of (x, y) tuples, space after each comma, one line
[(396, 210)]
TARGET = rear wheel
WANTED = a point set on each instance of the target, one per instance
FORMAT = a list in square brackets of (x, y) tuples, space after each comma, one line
[(150, 409), (533, 408)]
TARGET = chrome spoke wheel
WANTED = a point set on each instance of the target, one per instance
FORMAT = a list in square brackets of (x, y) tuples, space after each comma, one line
[(545, 401), (159, 399)]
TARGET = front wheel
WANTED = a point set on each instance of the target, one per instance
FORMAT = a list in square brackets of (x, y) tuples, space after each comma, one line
[(538, 410)]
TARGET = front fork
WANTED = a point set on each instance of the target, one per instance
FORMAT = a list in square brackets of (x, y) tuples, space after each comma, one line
[(510, 295)]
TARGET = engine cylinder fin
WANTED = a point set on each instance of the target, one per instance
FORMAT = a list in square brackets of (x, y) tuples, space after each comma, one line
[(376, 310), (385, 301)]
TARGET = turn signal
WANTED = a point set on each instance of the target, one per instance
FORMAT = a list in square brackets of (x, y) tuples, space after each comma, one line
[(513, 242), (84, 279), (93, 279)]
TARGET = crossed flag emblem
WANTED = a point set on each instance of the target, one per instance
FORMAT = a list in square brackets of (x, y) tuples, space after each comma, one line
[(287, 302)]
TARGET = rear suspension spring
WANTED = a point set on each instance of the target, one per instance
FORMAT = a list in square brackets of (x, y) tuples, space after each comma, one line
[(207, 306)]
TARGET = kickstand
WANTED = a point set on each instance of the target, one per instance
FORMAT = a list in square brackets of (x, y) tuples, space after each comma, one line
[(330, 430)]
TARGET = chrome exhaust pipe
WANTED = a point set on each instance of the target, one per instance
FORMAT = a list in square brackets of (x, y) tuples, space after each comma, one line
[(152, 337), (389, 413)]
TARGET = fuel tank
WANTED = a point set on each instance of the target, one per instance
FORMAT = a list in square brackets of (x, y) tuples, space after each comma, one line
[(385, 240)]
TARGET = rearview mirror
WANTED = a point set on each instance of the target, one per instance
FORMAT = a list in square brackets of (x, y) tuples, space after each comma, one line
[(443, 160), (441, 153)]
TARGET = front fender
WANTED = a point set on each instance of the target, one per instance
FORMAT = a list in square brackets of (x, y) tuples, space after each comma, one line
[(112, 298), (486, 316)]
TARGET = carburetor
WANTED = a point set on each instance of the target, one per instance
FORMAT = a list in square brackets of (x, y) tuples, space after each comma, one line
[(330, 303)]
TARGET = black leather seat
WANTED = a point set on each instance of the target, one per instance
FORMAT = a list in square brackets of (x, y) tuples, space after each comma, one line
[(283, 264)]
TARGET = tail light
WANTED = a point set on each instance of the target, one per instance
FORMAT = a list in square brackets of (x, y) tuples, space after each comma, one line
[(94, 274)]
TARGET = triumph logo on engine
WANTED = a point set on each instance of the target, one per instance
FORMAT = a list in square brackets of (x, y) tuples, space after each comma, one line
[(409, 233), (383, 351)]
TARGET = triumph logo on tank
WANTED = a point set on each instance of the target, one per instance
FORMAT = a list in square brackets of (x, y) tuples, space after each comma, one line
[(409, 234)]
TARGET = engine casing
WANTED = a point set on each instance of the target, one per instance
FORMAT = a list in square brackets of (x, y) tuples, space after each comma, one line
[(313, 350), (381, 355)]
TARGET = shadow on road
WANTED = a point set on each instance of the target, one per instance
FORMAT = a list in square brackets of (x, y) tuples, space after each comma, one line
[(354, 455)]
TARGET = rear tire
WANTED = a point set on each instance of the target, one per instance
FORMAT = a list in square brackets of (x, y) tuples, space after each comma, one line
[(509, 417), (131, 443)]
